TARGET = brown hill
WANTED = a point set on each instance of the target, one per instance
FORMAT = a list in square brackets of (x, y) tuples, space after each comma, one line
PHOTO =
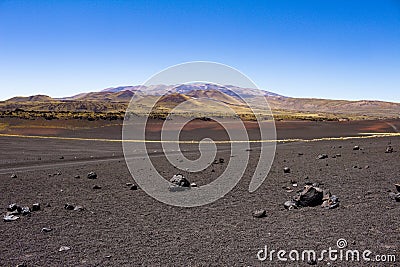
[(33, 98)]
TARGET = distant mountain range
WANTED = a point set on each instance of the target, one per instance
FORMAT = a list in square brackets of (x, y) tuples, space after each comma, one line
[(117, 98)]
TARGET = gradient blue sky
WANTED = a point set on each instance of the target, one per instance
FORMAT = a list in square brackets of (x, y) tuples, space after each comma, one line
[(325, 49)]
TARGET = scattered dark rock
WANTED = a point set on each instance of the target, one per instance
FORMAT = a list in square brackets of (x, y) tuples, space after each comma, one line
[(397, 187), (46, 230), (35, 207), (312, 262), (128, 184), (133, 187), (193, 185), (77, 176), (12, 207), (286, 170), (69, 207), (25, 211), (212, 170), (62, 157), (310, 197), (259, 213), (338, 155), (367, 167), (57, 173), (22, 265), (389, 149), (96, 187), (221, 160), (92, 175), (14, 175), (356, 148), (322, 156), (180, 180), (300, 154)]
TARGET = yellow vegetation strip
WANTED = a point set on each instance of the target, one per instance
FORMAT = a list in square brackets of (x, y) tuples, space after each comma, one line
[(361, 136)]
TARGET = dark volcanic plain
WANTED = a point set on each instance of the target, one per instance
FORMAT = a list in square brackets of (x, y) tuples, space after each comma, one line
[(122, 227)]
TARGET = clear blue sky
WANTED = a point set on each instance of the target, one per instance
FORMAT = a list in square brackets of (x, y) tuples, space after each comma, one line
[(326, 49)]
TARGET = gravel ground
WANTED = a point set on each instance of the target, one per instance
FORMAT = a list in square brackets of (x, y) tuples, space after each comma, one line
[(123, 227)]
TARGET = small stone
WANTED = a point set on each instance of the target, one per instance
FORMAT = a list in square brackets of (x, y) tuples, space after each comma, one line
[(286, 170), (397, 187), (193, 185), (62, 157), (338, 155), (389, 149), (259, 213), (57, 173), (12, 207), (77, 176), (92, 175), (64, 248), (108, 256), (133, 187), (221, 160), (367, 167), (10, 218), (289, 205), (78, 208), (212, 170), (22, 265), (331, 203), (322, 156), (46, 230), (312, 262), (356, 148), (14, 175), (25, 211), (36, 207), (96, 187), (69, 207), (180, 180), (128, 184), (300, 154)]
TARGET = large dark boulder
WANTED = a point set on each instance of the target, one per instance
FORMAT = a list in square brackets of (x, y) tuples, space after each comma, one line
[(310, 197)]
